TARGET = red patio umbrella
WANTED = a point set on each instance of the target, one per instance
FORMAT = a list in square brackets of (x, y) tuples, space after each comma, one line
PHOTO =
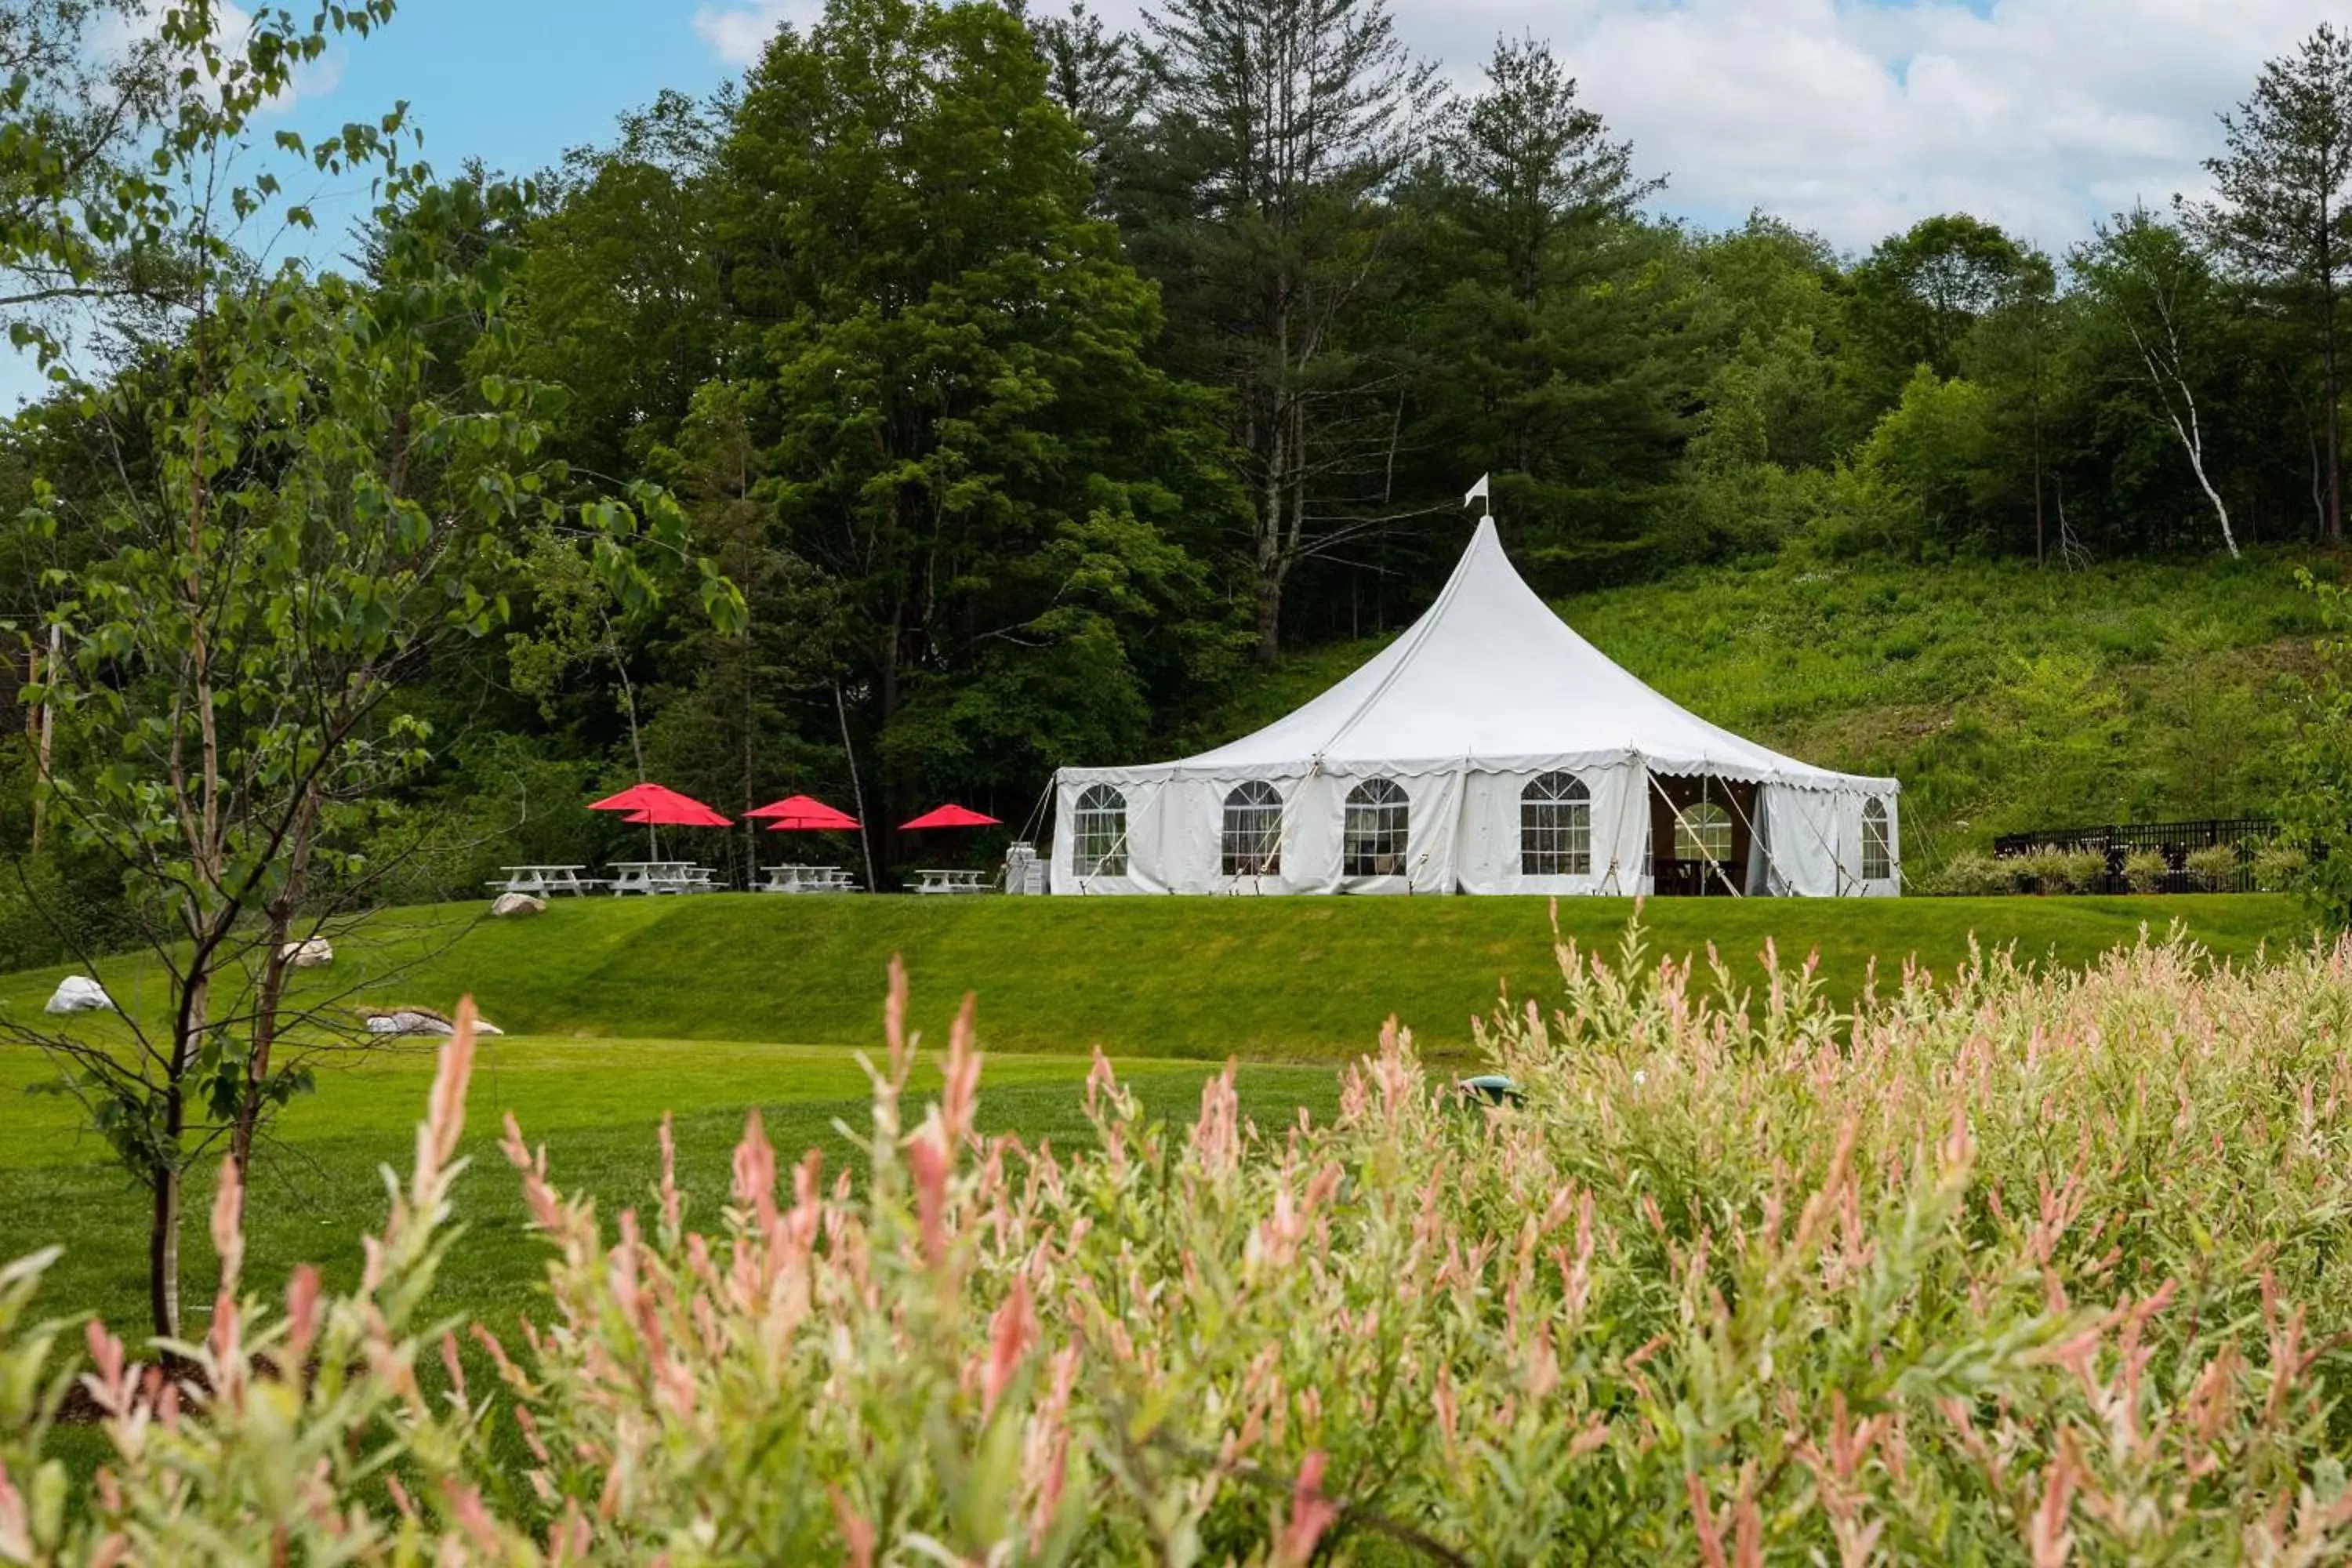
[(948, 815), (652, 806), (634, 798), (661, 807), (803, 814), (680, 811)]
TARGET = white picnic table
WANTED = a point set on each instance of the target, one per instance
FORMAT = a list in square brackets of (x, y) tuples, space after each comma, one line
[(543, 882), (938, 880), (650, 877), (808, 880)]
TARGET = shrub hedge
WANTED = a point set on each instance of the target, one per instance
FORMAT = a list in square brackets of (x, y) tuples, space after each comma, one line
[(2017, 1269)]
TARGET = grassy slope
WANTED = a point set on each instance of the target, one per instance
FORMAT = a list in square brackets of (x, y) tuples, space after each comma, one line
[(2004, 698), (625, 1008), (1261, 978)]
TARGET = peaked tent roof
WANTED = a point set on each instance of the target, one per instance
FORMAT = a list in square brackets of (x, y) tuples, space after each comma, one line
[(1490, 675)]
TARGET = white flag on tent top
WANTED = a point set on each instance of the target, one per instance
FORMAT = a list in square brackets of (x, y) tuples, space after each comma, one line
[(1478, 492)]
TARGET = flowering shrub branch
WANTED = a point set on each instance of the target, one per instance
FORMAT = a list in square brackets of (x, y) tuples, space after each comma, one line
[(2010, 1268)]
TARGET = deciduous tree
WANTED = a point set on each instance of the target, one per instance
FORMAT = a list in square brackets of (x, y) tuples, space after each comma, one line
[(303, 505), (2159, 293), (955, 403), (2283, 189)]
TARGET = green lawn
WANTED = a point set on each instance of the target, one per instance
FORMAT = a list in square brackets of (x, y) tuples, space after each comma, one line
[(622, 1009), (1257, 978), (596, 1103)]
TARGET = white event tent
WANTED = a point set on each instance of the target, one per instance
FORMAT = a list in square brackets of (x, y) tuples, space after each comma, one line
[(1488, 750)]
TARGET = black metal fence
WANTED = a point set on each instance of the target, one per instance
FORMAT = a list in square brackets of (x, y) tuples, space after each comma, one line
[(2176, 841)]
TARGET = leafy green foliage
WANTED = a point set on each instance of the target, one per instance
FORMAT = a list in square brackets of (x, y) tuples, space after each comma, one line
[(2315, 816), (305, 493), (1548, 304)]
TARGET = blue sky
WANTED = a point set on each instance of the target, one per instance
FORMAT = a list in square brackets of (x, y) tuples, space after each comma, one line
[(1852, 117), (1855, 118), (514, 81)]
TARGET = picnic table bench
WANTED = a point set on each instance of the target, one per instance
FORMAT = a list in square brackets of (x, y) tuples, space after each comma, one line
[(808, 880), (543, 882), (651, 876), (951, 881)]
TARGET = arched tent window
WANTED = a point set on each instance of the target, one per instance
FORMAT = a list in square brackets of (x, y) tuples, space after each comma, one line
[(1703, 832), (1877, 853), (1099, 829), (1373, 844), (1253, 832), (1556, 828)]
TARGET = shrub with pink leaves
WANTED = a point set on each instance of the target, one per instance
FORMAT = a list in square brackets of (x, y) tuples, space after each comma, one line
[(2010, 1268)]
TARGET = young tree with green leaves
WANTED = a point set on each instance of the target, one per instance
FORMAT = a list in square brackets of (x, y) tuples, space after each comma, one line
[(305, 506), (1916, 298), (2281, 216)]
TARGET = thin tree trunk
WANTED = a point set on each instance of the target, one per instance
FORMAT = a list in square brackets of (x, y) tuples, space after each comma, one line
[(165, 1175), (270, 997), (164, 1250), (2168, 373), (629, 711), (2197, 462), (1269, 547), (2334, 456), (44, 735), (750, 827), (2335, 417), (2041, 552)]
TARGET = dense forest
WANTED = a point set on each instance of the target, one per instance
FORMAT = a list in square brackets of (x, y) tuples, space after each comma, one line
[(1026, 382)]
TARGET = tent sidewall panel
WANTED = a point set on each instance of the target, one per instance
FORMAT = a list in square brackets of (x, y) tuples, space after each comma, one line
[(1464, 834)]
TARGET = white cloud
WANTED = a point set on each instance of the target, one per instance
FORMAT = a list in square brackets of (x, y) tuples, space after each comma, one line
[(737, 34), (2041, 115), (1857, 117)]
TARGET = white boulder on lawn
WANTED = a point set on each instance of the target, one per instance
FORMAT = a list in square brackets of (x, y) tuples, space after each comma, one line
[(420, 1021), (518, 904), (79, 994), (313, 953)]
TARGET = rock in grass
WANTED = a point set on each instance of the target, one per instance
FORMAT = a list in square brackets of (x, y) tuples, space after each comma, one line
[(518, 904), (79, 994), (315, 952), (419, 1021)]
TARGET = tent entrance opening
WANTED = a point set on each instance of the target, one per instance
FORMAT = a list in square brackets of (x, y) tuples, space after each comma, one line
[(1700, 831)]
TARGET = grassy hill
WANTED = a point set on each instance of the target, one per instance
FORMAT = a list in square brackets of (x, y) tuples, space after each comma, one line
[(618, 1010), (1198, 978), (2003, 696)]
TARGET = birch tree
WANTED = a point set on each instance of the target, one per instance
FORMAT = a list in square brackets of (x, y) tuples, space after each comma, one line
[(2159, 293), (2282, 212)]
